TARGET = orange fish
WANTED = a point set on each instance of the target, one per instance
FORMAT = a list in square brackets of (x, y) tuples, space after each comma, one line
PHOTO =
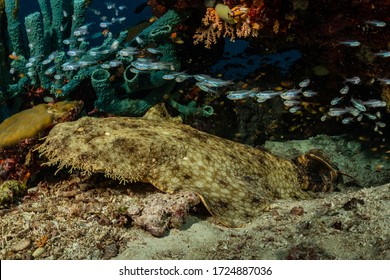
[(177, 40), (105, 32), (13, 56)]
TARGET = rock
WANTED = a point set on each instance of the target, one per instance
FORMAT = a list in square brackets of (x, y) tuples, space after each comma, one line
[(39, 251), (110, 251), (23, 244)]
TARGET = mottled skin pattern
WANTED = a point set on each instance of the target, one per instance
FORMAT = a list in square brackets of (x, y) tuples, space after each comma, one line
[(236, 182)]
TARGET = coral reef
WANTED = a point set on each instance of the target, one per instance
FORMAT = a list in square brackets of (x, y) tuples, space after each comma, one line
[(10, 191), (235, 182), (59, 58), (19, 136)]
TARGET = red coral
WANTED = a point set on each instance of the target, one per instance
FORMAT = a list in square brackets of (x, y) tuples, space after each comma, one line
[(256, 13)]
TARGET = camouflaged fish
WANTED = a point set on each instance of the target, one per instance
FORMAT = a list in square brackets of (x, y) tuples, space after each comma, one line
[(235, 182)]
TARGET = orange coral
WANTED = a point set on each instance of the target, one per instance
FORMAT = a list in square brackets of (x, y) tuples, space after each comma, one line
[(240, 21)]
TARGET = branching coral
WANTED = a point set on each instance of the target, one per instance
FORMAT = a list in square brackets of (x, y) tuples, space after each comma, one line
[(240, 21)]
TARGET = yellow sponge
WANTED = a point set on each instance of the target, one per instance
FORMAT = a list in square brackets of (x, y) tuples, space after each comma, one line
[(28, 123)]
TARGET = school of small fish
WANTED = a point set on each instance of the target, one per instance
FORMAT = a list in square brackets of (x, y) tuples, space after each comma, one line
[(348, 109), (60, 68)]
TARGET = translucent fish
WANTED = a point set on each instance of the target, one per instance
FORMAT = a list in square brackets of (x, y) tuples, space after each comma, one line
[(31, 73), (53, 55), (201, 77), (386, 81), (64, 13), (383, 54), (295, 109), (371, 116), (114, 45), (291, 94), (336, 112), (344, 90), (29, 64), (128, 51), (239, 94), (121, 8), (136, 71), (140, 65), (105, 65), (50, 71), (46, 61), (358, 104), (110, 5), (267, 94), (376, 23), (353, 111), (86, 63), (115, 63), (336, 101), (182, 77), (70, 66), (291, 103), (96, 12), (139, 40), (354, 80), (34, 59), (106, 51), (169, 77), (347, 120), (75, 52), (154, 51), (120, 19), (69, 41), (350, 43), (59, 76), (82, 30), (212, 82), (304, 83), (105, 24), (374, 103), (309, 93), (94, 53), (205, 88), (380, 124)]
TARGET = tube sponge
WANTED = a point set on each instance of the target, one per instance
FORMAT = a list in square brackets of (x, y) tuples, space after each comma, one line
[(14, 28), (34, 28), (107, 101)]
